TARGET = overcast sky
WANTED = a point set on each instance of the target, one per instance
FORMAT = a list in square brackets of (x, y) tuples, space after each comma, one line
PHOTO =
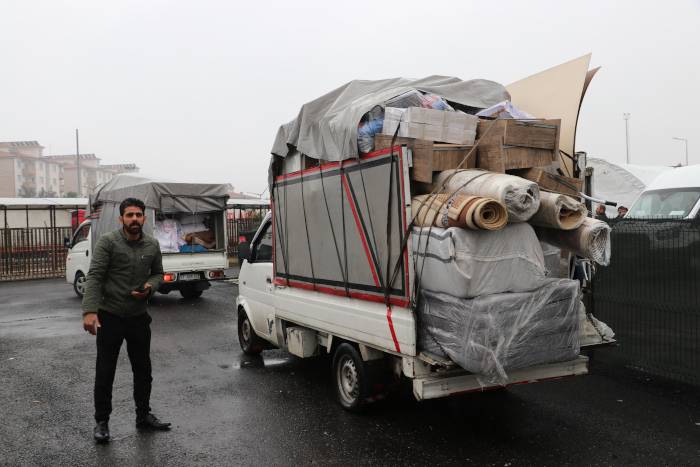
[(195, 90)]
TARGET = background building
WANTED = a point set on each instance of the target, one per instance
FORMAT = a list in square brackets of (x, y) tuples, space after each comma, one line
[(26, 172)]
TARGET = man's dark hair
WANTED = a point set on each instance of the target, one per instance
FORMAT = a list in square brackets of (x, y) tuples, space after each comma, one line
[(131, 202)]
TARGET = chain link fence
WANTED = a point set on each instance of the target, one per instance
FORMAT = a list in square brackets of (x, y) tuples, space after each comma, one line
[(650, 296)]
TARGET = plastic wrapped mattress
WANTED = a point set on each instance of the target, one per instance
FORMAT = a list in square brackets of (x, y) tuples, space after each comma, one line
[(468, 263), (493, 334)]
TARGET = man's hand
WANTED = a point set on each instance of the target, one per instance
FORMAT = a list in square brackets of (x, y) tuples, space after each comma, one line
[(91, 323), (142, 295)]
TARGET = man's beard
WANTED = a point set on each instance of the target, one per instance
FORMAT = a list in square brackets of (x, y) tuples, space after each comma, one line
[(134, 228)]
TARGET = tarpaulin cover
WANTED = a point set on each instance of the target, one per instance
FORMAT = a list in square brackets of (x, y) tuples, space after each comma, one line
[(469, 263), (166, 197), (158, 196), (326, 128), (330, 228), (493, 334)]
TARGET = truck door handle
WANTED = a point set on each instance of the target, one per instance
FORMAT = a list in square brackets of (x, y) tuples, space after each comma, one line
[(268, 280), (87, 253)]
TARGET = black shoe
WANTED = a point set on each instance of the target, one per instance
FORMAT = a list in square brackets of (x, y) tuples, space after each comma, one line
[(150, 422), (101, 432)]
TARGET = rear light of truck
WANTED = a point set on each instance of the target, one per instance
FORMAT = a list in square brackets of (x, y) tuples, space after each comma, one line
[(242, 239), (169, 277), (215, 274)]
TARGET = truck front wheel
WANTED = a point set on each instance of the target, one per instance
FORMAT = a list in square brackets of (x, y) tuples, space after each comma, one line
[(350, 378), (250, 343), (79, 284)]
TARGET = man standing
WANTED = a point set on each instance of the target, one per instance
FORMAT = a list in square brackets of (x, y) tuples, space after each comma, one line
[(621, 212), (600, 213), (126, 269)]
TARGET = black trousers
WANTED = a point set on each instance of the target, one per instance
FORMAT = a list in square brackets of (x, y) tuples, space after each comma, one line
[(137, 333)]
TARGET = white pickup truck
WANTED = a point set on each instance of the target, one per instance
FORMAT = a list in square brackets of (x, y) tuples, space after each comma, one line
[(189, 273), (370, 343)]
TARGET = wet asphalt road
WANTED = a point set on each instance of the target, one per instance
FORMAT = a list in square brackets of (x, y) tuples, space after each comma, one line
[(228, 409)]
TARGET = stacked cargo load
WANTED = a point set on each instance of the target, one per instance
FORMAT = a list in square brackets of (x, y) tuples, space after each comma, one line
[(437, 195)]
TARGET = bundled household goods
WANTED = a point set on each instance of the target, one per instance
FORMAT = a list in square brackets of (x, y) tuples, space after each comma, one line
[(484, 290), (458, 210), (521, 197), (467, 264), (493, 334)]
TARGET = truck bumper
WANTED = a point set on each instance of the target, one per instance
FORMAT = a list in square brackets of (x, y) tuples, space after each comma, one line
[(432, 387)]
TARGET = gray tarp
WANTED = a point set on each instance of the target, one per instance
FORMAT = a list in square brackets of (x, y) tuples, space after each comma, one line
[(326, 128), (167, 197)]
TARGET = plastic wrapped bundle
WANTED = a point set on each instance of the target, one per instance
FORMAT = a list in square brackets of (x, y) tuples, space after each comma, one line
[(559, 212), (591, 240), (468, 212), (465, 263), (493, 334), (520, 196)]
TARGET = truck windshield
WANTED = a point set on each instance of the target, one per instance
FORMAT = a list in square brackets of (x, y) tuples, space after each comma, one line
[(670, 203)]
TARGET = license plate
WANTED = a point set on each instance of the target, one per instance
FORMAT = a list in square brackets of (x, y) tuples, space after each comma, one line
[(190, 277)]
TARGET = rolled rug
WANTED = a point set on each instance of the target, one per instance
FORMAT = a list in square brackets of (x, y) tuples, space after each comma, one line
[(590, 240), (559, 212), (469, 212), (521, 197)]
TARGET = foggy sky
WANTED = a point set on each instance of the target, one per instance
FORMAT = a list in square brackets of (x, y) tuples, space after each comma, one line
[(196, 90)]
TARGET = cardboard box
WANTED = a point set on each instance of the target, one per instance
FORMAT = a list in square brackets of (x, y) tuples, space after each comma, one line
[(552, 182), (517, 144), (429, 157), (430, 124)]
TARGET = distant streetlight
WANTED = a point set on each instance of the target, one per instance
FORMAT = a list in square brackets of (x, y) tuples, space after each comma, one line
[(626, 116), (685, 140)]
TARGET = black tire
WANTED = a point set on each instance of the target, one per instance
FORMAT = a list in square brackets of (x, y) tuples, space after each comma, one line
[(190, 292), (79, 284), (351, 378), (251, 343)]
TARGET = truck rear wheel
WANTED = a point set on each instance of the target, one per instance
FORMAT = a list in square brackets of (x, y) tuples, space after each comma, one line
[(250, 343), (351, 378)]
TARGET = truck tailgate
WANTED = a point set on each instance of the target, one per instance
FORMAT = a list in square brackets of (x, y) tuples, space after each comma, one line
[(432, 387), (178, 262)]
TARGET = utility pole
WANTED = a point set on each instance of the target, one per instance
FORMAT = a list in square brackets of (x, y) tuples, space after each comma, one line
[(77, 159), (626, 116), (685, 140)]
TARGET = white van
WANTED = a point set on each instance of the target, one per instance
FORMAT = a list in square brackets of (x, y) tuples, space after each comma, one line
[(189, 268), (673, 194)]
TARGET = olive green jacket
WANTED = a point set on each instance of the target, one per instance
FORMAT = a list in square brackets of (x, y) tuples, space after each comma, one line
[(118, 267)]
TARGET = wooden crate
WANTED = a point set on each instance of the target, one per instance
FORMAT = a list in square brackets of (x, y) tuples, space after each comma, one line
[(429, 157), (517, 144), (551, 182)]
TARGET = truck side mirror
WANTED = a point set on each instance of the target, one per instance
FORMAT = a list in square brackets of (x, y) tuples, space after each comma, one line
[(66, 242), (243, 251)]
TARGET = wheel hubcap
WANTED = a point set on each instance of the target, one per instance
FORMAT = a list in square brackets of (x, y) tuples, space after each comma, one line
[(348, 380), (80, 284), (245, 330)]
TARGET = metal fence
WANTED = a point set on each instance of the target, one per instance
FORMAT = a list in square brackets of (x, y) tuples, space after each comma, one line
[(235, 228), (32, 253), (650, 296)]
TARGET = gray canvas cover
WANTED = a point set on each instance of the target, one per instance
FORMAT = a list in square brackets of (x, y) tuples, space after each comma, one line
[(330, 228), (326, 128), (161, 196)]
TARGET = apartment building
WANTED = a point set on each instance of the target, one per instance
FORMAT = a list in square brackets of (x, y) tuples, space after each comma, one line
[(26, 172)]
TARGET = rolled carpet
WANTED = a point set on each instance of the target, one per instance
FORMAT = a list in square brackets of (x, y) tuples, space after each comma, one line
[(559, 212), (521, 197), (590, 240), (469, 212)]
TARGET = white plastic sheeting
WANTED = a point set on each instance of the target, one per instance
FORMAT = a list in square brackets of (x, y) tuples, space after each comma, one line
[(466, 263), (493, 334)]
